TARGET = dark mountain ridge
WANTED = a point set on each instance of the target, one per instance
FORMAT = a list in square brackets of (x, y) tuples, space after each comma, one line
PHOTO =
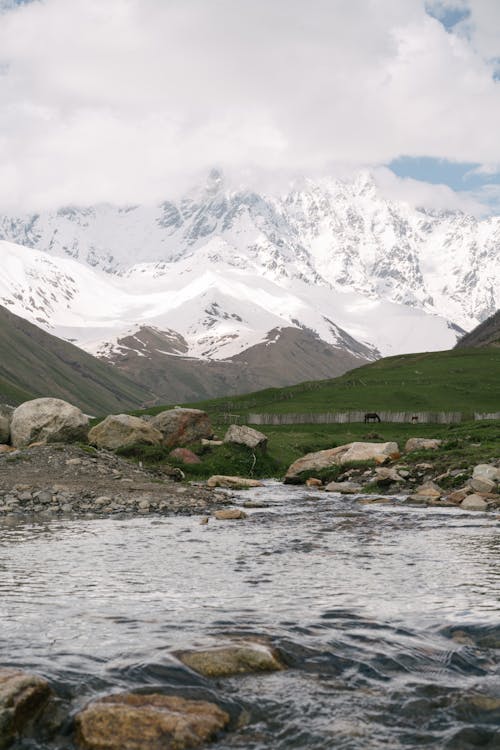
[(486, 333), (34, 363)]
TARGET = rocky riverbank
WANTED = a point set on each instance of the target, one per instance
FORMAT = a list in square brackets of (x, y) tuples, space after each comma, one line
[(52, 462), (29, 706), (57, 479)]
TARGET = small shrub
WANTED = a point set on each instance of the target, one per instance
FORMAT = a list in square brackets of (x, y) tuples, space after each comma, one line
[(87, 448), (223, 459), (149, 454), (232, 459)]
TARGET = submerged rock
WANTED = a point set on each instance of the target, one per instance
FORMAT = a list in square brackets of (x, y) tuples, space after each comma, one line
[(345, 488), (122, 430), (234, 483), (148, 722), (180, 427), (242, 435), (224, 661), (47, 420), (22, 697), (230, 514)]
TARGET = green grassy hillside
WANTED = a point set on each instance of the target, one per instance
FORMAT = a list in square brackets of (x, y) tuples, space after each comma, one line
[(465, 380), (33, 363), (458, 380)]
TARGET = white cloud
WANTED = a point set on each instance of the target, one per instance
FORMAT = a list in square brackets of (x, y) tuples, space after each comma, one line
[(420, 194), (128, 100)]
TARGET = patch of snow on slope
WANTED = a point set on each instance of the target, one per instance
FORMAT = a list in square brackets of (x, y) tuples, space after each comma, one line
[(219, 309)]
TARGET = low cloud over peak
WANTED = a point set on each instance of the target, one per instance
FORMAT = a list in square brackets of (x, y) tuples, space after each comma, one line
[(131, 100)]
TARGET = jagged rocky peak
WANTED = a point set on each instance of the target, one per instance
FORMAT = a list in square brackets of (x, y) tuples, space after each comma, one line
[(324, 234)]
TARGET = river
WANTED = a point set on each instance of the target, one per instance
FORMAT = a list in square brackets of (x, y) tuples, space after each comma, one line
[(387, 617)]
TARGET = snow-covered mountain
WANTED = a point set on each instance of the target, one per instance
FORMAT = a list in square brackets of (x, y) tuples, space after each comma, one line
[(327, 234), (213, 303), (221, 273)]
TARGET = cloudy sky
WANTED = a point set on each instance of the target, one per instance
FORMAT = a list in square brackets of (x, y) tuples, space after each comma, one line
[(134, 100)]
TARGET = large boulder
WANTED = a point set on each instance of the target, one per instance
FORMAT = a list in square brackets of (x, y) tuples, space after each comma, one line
[(243, 435), (121, 431), (22, 697), (132, 721), (182, 426), (47, 420), (343, 454)]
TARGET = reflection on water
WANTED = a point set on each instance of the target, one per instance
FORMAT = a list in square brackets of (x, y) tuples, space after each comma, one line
[(388, 618)]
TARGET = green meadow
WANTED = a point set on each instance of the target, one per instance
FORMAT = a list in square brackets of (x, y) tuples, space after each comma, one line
[(467, 381)]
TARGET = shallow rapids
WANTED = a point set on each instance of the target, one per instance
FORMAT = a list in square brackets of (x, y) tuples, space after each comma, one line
[(387, 617)]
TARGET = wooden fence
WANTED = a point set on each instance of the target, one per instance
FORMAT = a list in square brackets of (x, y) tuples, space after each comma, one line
[(418, 417)]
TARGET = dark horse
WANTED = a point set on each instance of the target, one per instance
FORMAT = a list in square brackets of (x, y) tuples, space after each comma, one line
[(371, 416)]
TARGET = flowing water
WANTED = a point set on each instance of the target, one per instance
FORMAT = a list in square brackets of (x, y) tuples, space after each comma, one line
[(387, 617)]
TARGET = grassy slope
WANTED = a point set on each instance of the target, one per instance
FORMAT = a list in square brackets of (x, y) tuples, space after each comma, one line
[(464, 380), (465, 445), (33, 363), (486, 333), (458, 380)]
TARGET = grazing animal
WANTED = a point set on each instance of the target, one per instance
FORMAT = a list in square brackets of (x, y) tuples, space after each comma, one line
[(371, 416)]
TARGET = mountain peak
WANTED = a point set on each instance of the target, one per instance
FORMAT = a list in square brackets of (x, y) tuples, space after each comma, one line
[(215, 181)]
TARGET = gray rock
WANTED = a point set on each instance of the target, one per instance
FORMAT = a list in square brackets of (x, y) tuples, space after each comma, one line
[(419, 444), (430, 489), (48, 420), (345, 488), (474, 502), (486, 471), (387, 475), (482, 485), (243, 435)]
